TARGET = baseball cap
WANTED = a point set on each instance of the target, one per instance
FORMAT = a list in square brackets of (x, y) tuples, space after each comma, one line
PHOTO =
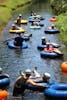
[(28, 71), (43, 37)]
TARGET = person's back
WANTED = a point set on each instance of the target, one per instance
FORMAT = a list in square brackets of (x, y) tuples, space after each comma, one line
[(19, 86), (18, 21), (18, 41), (43, 41), (20, 83)]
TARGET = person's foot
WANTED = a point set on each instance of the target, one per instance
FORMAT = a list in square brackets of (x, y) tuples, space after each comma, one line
[(35, 68)]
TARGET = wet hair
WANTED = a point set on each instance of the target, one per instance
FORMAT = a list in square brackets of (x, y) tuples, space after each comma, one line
[(52, 27)]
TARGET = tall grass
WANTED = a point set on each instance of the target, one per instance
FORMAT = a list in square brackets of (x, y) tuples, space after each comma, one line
[(6, 8), (60, 8), (61, 23)]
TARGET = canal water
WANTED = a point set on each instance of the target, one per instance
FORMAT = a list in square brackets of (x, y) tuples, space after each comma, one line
[(12, 60)]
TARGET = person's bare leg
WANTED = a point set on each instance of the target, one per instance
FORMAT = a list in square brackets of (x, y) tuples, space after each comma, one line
[(36, 73)]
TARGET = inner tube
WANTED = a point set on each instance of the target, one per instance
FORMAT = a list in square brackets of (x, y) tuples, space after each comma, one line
[(3, 94), (57, 91), (35, 27), (37, 16), (64, 66), (4, 81), (26, 38), (39, 88), (44, 54), (17, 31), (11, 45), (51, 31)]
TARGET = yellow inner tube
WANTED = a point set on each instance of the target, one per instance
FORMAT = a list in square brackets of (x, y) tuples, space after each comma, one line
[(17, 31), (22, 21)]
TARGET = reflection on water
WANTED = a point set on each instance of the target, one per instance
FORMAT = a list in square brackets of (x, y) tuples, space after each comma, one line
[(14, 60)]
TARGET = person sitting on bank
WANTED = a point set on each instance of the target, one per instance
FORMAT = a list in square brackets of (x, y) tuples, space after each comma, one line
[(21, 82), (15, 27), (43, 41), (18, 40), (1, 74)]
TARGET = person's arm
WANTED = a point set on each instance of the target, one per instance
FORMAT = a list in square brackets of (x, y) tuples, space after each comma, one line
[(30, 81), (6, 75)]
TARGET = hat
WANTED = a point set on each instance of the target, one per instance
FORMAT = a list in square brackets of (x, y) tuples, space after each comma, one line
[(20, 15), (28, 71), (43, 37), (13, 24), (47, 75)]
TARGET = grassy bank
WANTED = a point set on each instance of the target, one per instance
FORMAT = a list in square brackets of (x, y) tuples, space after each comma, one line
[(61, 23), (6, 9), (60, 8)]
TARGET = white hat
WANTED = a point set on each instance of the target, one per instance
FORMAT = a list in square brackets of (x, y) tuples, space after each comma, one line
[(20, 15), (43, 37), (13, 24), (28, 71), (47, 75)]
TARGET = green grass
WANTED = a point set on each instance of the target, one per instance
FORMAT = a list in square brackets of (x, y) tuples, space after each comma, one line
[(5, 14), (6, 9), (61, 23)]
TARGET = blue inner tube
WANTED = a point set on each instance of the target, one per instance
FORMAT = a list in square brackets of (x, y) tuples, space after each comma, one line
[(37, 88), (12, 45), (57, 91), (35, 27), (48, 54), (51, 31), (26, 38), (4, 81)]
